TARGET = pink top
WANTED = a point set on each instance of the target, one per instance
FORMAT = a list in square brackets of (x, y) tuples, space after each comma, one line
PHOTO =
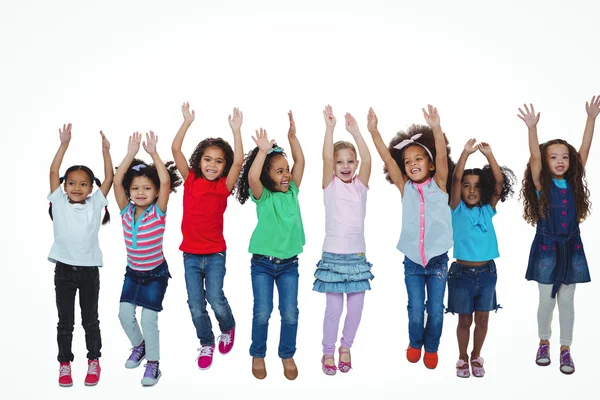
[(345, 209), (422, 221)]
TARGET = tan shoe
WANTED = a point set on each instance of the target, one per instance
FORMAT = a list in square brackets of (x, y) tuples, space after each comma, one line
[(289, 368), (258, 368)]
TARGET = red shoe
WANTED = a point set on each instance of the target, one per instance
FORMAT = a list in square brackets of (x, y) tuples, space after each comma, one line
[(64, 375), (413, 355), (93, 373), (430, 360), (205, 358), (226, 340)]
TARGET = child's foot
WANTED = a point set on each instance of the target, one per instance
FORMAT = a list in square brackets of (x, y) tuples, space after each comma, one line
[(566, 362), (64, 375), (258, 368), (205, 358), (328, 364), (290, 370), (430, 360), (345, 363), (152, 374), (226, 340), (138, 353), (542, 357), (413, 355), (477, 367), (93, 373), (462, 369)]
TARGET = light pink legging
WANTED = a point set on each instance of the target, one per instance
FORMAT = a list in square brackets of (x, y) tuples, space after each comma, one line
[(333, 313)]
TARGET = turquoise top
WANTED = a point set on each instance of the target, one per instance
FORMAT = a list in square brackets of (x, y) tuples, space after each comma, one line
[(474, 234)]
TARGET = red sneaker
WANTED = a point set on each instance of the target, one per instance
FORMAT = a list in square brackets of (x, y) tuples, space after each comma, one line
[(205, 358), (430, 360), (64, 375), (413, 355), (93, 373), (226, 340)]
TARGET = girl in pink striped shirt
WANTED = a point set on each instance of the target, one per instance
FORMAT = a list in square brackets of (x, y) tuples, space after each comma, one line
[(142, 192)]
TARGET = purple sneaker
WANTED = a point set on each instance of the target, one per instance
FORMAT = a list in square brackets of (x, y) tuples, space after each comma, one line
[(543, 355), (151, 374), (566, 363), (138, 353)]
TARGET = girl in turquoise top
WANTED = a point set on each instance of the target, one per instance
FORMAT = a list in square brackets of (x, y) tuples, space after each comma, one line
[(275, 244), (472, 278)]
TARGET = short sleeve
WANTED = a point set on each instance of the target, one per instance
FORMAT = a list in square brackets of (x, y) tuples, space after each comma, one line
[(190, 178), (459, 208), (57, 195), (489, 211), (293, 187), (265, 194), (98, 198), (360, 185), (161, 215)]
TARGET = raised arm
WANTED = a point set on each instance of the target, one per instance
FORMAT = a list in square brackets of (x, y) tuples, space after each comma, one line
[(65, 138), (180, 160), (364, 172), (535, 156), (163, 175), (328, 162), (486, 150), (297, 154), (593, 109), (432, 117), (132, 148), (459, 169), (109, 171), (235, 122), (390, 164), (264, 145)]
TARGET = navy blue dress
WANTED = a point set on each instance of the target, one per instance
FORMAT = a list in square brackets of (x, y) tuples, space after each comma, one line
[(557, 255)]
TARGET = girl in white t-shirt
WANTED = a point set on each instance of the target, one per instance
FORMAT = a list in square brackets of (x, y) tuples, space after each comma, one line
[(76, 252), (343, 267)]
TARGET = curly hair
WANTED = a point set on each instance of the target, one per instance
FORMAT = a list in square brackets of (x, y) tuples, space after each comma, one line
[(93, 180), (150, 172), (243, 186), (535, 208), (218, 143), (428, 140), (487, 183)]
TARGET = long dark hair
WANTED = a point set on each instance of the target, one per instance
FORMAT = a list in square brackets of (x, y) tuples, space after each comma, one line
[(242, 186), (487, 182)]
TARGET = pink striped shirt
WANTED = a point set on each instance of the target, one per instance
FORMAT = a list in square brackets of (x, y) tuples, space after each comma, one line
[(144, 237)]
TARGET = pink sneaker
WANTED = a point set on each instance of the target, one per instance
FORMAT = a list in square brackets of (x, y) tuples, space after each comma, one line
[(226, 340), (205, 358), (64, 375), (93, 373)]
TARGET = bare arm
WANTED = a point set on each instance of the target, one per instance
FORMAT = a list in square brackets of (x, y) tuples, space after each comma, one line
[(264, 145), (592, 109), (486, 150), (328, 162), (132, 149), (297, 154), (392, 167), (109, 172), (459, 169), (364, 172), (65, 138), (235, 123), (432, 118), (163, 175), (180, 161), (535, 158)]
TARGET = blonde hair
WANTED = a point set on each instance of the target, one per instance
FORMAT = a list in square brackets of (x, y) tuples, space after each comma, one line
[(341, 145)]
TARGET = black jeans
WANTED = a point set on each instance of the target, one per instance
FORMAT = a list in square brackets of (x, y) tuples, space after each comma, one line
[(67, 279)]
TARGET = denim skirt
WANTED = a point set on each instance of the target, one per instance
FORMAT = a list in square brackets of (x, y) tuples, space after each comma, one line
[(343, 273), (146, 288)]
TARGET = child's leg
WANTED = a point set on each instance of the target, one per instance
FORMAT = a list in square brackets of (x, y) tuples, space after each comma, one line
[(566, 314), (89, 288), (545, 311), (287, 288), (215, 275), (129, 323), (151, 334), (481, 327), (414, 279), (262, 289), (463, 334), (331, 322), (435, 280), (65, 287), (354, 308), (194, 283)]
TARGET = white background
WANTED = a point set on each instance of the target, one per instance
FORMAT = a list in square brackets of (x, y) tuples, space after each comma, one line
[(125, 66)]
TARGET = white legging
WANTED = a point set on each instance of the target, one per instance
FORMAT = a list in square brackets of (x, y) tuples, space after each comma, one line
[(566, 312)]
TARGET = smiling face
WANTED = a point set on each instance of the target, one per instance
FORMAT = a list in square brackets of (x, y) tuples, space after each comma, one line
[(78, 186), (471, 190), (417, 164), (557, 156), (212, 163), (142, 191), (280, 174), (345, 164)]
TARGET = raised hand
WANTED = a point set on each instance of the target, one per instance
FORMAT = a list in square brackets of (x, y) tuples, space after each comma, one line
[(432, 118), (187, 115), (470, 146), (528, 116), (262, 141), (372, 120), (593, 107), (484, 148), (235, 122), (292, 130), (105, 142), (65, 134), (351, 125), (134, 143), (150, 143), (329, 117)]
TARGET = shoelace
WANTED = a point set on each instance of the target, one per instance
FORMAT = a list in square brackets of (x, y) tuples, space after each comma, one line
[(64, 370), (136, 352), (93, 368), (151, 369), (205, 351), (225, 338)]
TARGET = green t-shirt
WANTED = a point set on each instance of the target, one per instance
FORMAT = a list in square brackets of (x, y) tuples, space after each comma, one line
[(279, 231)]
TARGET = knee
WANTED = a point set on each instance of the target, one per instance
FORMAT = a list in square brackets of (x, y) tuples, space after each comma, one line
[(126, 313), (465, 321), (481, 321), (149, 320), (197, 308), (290, 315), (216, 298), (65, 327), (262, 314), (416, 308)]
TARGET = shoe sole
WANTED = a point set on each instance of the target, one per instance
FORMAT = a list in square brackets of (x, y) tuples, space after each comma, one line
[(542, 364), (133, 366), (205, 368), (152, 383), (65, 384), (567, 372), (90, 384)]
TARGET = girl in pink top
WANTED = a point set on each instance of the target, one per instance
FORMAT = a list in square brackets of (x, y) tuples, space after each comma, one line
[(343, 267)]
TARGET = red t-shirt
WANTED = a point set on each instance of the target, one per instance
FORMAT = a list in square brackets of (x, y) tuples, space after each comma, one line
[(204, 203)]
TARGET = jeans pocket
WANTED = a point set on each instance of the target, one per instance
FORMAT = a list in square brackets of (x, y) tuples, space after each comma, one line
[(455, 271)]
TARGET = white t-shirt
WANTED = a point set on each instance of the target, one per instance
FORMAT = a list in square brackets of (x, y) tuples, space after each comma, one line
[(76, 229)]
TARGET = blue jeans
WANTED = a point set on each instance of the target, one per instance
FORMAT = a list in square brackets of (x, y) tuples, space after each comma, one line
[(204, 275), (266, 272), (417, 279)]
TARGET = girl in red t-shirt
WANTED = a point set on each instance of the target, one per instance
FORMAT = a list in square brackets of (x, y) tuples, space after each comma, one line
[(210, 178)]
